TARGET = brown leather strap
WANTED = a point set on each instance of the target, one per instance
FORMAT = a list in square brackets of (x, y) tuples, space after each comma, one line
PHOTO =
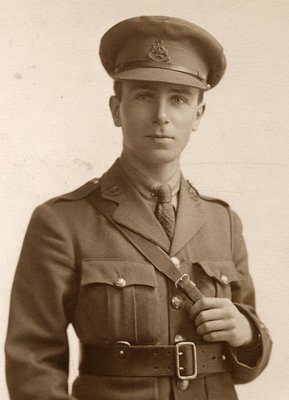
[(133, 361)]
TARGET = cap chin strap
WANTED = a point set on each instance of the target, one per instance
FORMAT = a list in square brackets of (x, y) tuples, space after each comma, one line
[(171, 67)]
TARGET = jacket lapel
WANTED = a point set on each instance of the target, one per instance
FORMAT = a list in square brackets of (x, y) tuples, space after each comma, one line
[(128, 208), (189, 218)]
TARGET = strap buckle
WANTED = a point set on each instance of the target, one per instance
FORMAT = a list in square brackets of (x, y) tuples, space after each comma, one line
[(180, 368), (185, 276)]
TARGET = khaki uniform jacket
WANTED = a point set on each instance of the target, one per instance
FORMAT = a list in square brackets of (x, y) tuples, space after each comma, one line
[(69, 264)]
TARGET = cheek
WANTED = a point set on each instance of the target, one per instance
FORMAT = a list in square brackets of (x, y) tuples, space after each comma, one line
[(184, 118), (134, 119), (134, 110), (185, 128), (185, 139)]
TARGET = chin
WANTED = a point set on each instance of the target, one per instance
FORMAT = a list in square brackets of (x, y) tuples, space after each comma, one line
[(160, 157)]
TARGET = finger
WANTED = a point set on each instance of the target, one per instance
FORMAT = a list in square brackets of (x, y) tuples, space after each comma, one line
[(202, 304), (188, 307), (209, 315), (205, 303), (218, 336), (212, 326)]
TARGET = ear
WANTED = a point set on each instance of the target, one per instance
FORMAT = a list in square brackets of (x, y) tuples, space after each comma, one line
[(199, 113), (114, 108)]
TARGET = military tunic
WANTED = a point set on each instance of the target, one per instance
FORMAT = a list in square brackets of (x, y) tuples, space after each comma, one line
[(76, 268)]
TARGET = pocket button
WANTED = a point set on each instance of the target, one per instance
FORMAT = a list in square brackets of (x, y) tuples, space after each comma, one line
[(224, 279), (120, 282)]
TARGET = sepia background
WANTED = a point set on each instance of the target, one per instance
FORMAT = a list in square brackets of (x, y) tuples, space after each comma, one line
[(56, 133)]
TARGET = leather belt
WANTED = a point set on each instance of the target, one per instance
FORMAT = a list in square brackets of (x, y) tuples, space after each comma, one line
[(185, 360)]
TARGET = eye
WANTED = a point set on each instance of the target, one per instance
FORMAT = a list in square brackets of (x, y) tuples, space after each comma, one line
[(178, 99), (144, 97)]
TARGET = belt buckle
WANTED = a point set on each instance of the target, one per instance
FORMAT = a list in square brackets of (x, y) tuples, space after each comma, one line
[(179, 353), (122, 343)]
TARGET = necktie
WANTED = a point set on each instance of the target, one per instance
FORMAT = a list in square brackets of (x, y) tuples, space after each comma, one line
[(164, 210)]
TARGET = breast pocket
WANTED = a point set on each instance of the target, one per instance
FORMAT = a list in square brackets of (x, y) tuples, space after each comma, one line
[(119, 300), (216, 278)]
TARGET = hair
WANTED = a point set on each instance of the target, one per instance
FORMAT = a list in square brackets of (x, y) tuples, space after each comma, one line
[(117, 87)]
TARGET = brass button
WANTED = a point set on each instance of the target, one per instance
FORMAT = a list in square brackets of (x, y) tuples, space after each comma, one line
[(183, 385), (224, 279), (179, 338), (176, 262), (177, 302), (120, 282)]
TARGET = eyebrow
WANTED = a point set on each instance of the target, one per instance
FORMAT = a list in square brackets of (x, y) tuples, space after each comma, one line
[(173, 89), (185, 90)]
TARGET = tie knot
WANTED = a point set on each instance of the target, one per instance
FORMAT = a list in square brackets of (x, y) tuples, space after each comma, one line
[(164, 194)]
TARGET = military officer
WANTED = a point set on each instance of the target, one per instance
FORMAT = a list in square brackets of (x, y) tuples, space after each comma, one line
[(103, 258)]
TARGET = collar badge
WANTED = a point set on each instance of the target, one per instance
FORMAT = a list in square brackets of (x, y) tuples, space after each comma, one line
[(158, 52)]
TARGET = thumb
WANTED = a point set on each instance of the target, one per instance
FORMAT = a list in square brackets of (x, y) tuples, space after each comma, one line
[(190, 309)]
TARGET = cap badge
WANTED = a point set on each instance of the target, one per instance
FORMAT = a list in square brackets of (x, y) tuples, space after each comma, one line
[(158, 52)]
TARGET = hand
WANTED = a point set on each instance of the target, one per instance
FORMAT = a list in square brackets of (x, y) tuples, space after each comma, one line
[(218, 319)]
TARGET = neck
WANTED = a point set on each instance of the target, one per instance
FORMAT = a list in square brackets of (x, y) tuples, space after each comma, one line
[(159, 172)]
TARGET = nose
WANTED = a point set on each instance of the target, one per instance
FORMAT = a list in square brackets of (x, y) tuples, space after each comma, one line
[(161, 112)]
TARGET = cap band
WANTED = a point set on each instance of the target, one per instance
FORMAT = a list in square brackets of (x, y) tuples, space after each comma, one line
[(172, 67)]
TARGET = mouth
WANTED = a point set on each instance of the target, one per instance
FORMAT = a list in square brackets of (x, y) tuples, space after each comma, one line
[(160, 139)]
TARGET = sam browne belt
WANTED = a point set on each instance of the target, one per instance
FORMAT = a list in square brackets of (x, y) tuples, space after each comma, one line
[(185, 360)]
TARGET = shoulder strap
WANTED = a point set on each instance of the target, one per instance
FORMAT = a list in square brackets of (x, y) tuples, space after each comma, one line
[(157, 257)]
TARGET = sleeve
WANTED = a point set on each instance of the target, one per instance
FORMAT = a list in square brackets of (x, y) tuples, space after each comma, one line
[(247, 361), (42, 302)]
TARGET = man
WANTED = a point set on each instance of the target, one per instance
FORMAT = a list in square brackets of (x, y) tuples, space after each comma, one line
[(104, 257)]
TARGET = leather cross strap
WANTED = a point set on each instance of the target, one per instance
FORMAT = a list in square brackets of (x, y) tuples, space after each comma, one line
[(182, 361), (156, 256)]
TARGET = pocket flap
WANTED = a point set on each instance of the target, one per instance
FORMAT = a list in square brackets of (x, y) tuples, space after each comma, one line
[(224, 271), (119, 273)]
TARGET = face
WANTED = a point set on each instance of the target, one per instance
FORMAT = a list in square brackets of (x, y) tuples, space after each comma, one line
[(156, 120)]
